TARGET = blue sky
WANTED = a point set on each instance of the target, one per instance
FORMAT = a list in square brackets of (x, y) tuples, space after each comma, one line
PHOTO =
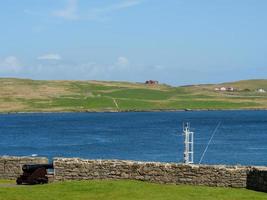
[(174, 41)]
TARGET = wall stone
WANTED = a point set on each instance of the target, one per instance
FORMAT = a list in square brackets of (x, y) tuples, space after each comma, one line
[(10, 167), (171, 173)]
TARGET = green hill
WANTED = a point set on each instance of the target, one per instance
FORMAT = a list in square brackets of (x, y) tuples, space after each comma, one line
[(24, 95)]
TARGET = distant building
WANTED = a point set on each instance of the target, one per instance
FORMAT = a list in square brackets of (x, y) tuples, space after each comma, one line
[(223, 89), (261, 90), (151, 82), (230, 89)]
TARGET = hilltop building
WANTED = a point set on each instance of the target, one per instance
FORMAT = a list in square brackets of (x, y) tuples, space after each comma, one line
[(151, 82)]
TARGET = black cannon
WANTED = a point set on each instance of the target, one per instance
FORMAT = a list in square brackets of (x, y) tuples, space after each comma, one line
[(34, 174)]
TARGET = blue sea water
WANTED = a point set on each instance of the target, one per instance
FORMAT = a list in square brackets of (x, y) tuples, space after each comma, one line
[(148, 136)]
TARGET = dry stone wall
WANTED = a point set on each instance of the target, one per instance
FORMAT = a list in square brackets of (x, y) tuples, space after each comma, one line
[(254, 178), (10, 167), (78, 169)]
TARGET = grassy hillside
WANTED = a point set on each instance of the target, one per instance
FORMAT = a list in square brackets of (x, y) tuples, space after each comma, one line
[(122, 190), (23, 95)]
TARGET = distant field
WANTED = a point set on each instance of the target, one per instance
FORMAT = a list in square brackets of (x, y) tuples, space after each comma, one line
[(124, 190), (23, 95)]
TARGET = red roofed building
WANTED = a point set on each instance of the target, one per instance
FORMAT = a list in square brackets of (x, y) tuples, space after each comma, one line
[(151, 82)]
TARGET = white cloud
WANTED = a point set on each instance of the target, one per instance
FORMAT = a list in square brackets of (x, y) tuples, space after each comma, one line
[(122, 61), (69, 12), (120, 68), (10, 64), (101, 13), (158, 67), (38, 28), (118, 6), (50, 57), (96, 70)]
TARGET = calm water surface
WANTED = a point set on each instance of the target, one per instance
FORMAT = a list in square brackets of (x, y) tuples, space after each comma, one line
[(240, 139)]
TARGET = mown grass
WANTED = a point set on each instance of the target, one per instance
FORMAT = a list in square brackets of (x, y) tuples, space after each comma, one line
[(145, 94), (37, 96), (3, 181), (124, 190)]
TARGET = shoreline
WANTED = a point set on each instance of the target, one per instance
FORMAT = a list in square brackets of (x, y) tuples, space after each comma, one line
[(131, 111)]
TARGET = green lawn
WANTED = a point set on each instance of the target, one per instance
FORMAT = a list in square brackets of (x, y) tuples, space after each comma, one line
[(123, 190)]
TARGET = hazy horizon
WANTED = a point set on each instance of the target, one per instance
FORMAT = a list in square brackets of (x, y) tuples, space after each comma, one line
[(176, 42)]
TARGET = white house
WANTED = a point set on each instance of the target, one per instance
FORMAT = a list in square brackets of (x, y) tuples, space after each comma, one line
[(261, 90), (223, 89)]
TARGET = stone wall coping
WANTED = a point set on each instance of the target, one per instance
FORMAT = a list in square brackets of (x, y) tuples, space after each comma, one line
[(22, 157), (77, 160), (260, 168)]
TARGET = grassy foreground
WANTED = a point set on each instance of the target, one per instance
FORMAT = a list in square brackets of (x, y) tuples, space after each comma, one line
[(24, 95), (124, 190)]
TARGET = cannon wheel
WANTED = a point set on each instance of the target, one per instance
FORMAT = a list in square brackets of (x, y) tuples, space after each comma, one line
[(43, 180), (19, 181)]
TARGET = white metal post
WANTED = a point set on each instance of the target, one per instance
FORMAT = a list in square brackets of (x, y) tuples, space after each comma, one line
[(188, 144)]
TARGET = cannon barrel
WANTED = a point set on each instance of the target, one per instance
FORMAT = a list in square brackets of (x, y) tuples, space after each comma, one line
[(32, 168)]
